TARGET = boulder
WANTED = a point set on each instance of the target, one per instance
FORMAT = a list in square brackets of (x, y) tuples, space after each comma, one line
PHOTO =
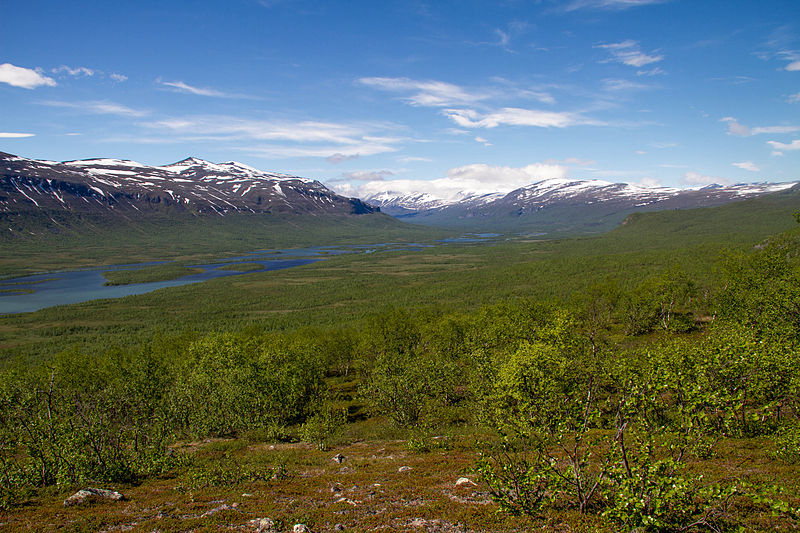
[(263, 525), (87, 494)]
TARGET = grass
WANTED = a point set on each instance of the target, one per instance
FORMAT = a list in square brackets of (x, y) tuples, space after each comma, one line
[(148, 274)]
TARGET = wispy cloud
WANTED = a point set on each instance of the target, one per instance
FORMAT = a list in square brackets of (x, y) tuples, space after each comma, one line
[(367, 175), (337, 158), (413, 159), (24, 77), (617, 85), (118, 77), (99, 107), (794, 98), (426, 93), (335, 141), (628, 53), (75, 72), (736, 128), (8, 135), (778, 146), (513, 116), (747, 165), (610, 4), (181, 87)]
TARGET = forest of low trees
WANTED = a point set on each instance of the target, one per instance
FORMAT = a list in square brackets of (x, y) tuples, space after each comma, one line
[(605, 403)]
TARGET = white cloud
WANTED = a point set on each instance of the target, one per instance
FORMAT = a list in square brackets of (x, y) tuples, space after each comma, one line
[(652, 72), (337, 158), (24, 77), (428, 93), (735, 128), (614, 85), (610, 4), (99, 107), (697, 179), (628, 53), (648, 183), (343, 188), (513, 116), (7, 135), (118, 77), (335, 141), (180, 87), (413, 159), (477, 179), (794, 66), (75, 72), (367, 175), (794, 145), (747, 165), (483, 141)]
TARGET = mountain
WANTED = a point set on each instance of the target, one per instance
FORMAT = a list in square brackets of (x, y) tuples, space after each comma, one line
[(121, 188), (559, 205)]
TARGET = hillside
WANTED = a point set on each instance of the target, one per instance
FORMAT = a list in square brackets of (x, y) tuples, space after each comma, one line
[(560, 206)]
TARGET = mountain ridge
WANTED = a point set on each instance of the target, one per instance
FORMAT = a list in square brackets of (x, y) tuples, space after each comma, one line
[(119, 187), (560, 205)]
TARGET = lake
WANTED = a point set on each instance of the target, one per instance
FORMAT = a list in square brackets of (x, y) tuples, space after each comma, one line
[(31, 293)]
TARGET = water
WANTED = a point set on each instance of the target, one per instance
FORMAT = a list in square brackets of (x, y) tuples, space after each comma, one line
[(31, 293)]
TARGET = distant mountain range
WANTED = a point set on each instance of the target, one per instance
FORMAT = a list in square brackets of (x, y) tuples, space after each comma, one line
[(115, 187), (559, 205), (53, 193)]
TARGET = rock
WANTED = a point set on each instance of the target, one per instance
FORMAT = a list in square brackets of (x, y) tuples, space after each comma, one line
[(336, 488), (345, 470), (404, 469), (338, 458), (300, 528), (90, 493), (223, 507), (465, 481), (263, 525), (338, 527)]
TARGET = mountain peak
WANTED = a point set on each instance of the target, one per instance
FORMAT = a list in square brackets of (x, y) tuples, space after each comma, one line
[(189, 161)]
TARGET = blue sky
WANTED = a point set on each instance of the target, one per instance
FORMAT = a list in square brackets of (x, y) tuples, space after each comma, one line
[(367, 95)]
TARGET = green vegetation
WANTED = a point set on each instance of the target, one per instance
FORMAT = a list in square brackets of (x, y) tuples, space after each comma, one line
[(91, 242), (149, 273), (608, 385)]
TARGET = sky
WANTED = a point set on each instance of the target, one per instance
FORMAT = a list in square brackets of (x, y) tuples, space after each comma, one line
[(412, 96)]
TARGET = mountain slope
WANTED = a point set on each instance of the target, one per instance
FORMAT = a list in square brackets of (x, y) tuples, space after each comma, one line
[(562, 205), (121, 188)]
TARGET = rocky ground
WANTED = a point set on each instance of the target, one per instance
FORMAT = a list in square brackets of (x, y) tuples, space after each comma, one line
[(236, 485)]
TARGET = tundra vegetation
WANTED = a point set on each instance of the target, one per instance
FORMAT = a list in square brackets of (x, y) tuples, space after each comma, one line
[(593, 380)]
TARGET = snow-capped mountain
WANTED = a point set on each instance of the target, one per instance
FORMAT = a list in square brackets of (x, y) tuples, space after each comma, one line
[(191, 185), (559, 204), (396, 204)]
